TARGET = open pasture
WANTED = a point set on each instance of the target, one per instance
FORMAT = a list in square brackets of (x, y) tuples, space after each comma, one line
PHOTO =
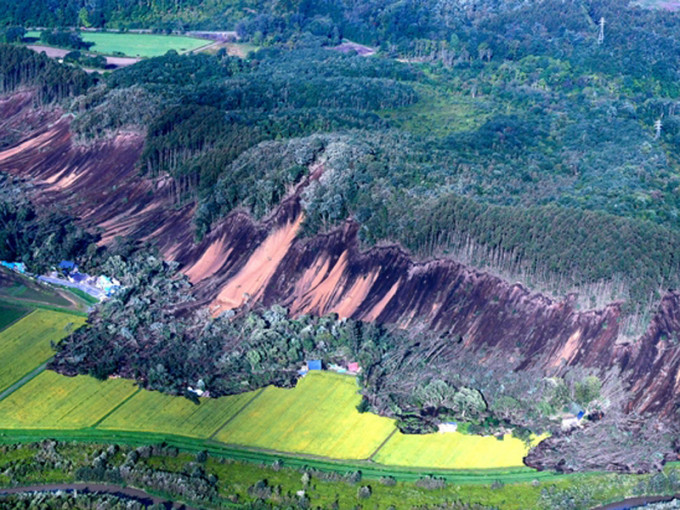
[(452, 450), (318, 417), (136, 45), (53, 401), (26, 343), (152, 411)]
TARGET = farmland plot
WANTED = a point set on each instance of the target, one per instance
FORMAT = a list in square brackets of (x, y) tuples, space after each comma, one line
[(151, 411), (26, 343), (53, 401), (318, 417), (452, 451), (10, 313)]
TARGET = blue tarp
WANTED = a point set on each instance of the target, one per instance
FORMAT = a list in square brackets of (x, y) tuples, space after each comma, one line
[(67, 264), (580, 415), (14, 266), (314, 364)]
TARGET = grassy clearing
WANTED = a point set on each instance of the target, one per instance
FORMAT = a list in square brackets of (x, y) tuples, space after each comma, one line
[(452, 451), (82, 295), (26, 344), (438, 113), (318, 417), (136, 45), (15, 287), (53, 401), (9, 314), (151, 411), (234, 49)]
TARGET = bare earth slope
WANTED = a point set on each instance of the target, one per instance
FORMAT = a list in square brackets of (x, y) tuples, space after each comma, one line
[(242, 261)]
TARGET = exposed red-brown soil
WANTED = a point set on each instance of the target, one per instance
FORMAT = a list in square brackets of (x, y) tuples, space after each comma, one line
[(244, 261)]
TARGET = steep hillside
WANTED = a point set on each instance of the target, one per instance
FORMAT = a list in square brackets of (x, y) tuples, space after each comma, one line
[(243, 261)]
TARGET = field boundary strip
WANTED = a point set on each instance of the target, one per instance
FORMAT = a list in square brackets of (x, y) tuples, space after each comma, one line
[(24, 380), (28, 312), (118, 406), (381, 445), (211, 437), (41, 306)]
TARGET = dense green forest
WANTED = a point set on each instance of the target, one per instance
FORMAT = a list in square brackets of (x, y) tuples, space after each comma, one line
[(38, 236), (503, 161)]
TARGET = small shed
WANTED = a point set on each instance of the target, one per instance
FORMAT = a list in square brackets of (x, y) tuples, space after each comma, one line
[(67, 265), (353, 367), (449, 426), (314, 364), (79, 277)]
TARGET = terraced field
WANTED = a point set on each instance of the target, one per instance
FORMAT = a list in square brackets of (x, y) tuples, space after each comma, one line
[(452, 451), (53, 401), (318, 417), (27, 342), (151, 411)]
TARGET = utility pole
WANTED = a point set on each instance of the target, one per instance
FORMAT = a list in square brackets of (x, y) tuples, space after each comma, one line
[(600, 37), (657, 128)]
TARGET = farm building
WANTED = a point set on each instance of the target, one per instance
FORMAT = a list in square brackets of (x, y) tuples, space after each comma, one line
[(353, 367), (68, 266), (449, 426), (19, 267), (337, 368), (314, 365), (573, 417)]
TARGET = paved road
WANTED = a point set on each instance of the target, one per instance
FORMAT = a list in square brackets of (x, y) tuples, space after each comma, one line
[(92, 291)]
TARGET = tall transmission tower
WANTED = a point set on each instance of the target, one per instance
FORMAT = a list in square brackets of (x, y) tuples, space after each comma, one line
[(657, 128)]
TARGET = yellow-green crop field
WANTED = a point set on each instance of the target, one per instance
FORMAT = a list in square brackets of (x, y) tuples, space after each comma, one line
[(26, 344), (53, 401), (151, 411), (318, 417), (452, 450)]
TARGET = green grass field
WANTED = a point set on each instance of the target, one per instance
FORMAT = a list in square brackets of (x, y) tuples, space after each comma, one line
[(452, 450), (151, 411), (17, 288), (53, 401), (318, 417), (11, 313), (136, 45), (27, 342)]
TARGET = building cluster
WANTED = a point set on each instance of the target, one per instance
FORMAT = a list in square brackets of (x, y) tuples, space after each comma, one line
[(67, 274), (351, 368)]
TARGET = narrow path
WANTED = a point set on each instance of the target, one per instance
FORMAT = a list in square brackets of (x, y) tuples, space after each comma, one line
[(212, 436), (383, 443), (120, 404), (32, 374)]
